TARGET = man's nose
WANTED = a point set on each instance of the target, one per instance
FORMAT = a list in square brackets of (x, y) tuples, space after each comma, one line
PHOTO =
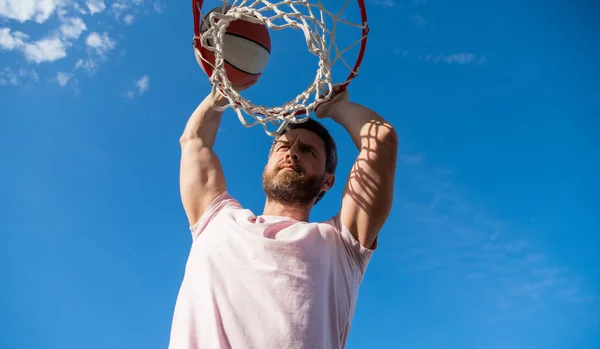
[(292, 154)]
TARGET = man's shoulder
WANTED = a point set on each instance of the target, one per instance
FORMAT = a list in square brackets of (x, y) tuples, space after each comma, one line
[(332, 222), (352, 246), (225, 198), (221, 203)]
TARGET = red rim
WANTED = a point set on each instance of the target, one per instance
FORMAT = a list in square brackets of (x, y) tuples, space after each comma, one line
[(196, 6), (197, 42)]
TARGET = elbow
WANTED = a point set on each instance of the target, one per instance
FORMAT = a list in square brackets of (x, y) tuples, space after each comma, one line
[(380, 132), (387, 137), (186, 139), (387, 144), (390, 137)]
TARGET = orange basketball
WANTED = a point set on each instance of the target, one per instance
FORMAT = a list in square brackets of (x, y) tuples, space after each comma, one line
[(246, 49)]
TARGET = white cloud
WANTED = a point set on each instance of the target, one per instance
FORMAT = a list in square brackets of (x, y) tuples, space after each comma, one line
[(128, 19), (48, 49), (95, 6), (60, 37), (158, 7), (78, 8), (455, 58), (98, 46), (122, 8), (72, 28), (456, 242), (418, 20), (26, 10), (87, 64), (140, 86), (143, 84), (9, 76), (412, 159), (400, 52), (11, 41), (100, 43), (384, 3), (63, 78)]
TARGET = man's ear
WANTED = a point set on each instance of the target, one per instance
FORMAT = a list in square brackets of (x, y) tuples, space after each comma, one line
[(328, 182)]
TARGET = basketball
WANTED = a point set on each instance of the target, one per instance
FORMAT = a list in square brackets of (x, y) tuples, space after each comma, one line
[(246, 49)]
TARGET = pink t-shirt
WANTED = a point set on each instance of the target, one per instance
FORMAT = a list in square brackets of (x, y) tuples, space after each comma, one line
[(267, 282)]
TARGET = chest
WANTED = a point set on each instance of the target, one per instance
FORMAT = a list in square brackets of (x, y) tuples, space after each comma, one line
[(286, 247)]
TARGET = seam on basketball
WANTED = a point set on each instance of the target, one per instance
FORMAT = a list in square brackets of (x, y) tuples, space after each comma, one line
[(242, 70), (249, 39), (233, 65)]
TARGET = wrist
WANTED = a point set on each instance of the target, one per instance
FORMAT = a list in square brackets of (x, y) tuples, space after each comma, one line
[(220, 100), (339, 111), (216, 100)]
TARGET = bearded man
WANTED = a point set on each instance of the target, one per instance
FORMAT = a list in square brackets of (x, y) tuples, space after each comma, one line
[(277, 280)]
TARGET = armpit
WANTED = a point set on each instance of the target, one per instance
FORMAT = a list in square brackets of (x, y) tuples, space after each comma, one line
[(221, 202)]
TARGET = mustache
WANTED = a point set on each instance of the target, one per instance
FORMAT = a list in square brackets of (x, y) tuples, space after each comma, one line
[(293, 165)]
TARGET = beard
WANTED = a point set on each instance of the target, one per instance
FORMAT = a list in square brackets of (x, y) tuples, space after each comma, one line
[(291, 187)]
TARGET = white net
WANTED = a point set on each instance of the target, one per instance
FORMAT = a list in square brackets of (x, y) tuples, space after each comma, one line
[(319, 27)]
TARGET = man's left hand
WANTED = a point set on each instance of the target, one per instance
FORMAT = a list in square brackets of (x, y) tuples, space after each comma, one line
[(328, 109)]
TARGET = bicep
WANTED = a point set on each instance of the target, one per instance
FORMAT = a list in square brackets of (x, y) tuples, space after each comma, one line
[(201, 178), (368, 196)]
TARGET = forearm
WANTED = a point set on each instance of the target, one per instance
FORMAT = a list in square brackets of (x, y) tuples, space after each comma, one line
[(363, 125), (204, 122), (368, 195)]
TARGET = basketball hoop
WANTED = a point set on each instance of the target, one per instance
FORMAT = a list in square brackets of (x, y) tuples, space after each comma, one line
[(309, 16)]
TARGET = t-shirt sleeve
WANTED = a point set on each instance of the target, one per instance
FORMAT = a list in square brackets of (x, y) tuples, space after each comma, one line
[(354, 250), (221, 202)]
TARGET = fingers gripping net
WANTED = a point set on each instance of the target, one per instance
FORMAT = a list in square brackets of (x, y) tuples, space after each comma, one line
[(309, 16)]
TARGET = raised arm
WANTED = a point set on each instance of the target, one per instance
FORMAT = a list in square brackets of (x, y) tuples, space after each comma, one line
[(201, 176), (368, 195)]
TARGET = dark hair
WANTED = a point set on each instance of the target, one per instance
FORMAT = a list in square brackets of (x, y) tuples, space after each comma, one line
[(317, 128)]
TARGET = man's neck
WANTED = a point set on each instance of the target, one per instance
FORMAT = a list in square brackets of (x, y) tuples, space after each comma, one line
[(299, 213)]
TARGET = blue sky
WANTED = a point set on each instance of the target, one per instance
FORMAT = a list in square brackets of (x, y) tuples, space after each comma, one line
[(493, 239)]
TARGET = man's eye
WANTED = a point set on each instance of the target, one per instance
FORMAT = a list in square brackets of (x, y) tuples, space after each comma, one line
[(309, 151)]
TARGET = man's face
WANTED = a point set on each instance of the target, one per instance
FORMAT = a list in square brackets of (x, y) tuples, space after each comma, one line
[(295, 173)]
